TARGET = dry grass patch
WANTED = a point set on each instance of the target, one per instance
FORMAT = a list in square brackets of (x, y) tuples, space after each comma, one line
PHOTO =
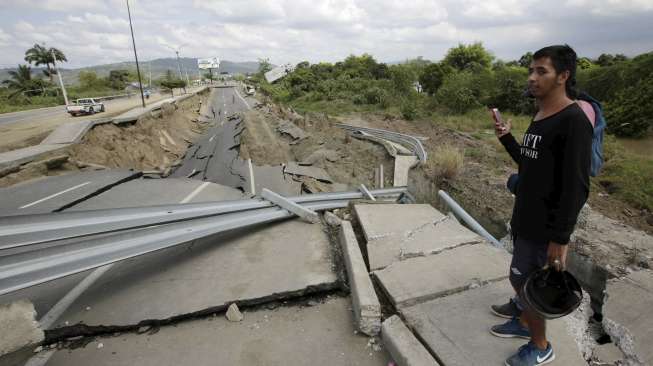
[(448, 161)]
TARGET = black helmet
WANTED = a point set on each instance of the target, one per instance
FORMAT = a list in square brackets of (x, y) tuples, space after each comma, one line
[(552, 293)]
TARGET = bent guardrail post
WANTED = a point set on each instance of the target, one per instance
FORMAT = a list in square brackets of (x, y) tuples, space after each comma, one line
[(473, 224)]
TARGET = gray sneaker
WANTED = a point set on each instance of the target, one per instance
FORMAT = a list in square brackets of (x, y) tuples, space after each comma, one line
[(509, 310), (530, 355)]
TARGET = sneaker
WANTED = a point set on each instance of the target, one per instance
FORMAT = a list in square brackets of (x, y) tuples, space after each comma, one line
[(509, 310), (530, 355), (511, 329)]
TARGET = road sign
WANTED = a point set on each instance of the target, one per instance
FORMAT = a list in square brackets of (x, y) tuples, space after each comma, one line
[(208, 63)]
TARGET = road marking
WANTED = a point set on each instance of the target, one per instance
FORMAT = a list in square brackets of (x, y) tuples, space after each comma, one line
[(251, 176), (195, 192), (54, 195), (48, 320), (212, 137), (243, 99)]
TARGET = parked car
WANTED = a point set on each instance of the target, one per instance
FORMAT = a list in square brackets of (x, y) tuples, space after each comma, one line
[(85, 106)]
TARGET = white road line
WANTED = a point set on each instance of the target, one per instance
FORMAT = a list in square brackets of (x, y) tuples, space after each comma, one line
[(243, 99), (212, 137), (48, 320), (195, 192), (54, 195), (251, 176)]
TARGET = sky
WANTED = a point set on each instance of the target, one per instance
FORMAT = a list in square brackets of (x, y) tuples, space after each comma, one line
[(92, 32)]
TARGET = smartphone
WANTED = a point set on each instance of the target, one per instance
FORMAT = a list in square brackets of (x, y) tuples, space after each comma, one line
[(497, 117)]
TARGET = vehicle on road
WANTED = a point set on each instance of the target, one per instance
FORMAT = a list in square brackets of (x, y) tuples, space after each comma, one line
[(85, 106)]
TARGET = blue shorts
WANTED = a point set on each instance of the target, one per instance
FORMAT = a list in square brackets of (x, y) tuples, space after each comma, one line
[(527, 257)]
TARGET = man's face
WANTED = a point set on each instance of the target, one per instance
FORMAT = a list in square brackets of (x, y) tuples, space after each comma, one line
[(543, 79)]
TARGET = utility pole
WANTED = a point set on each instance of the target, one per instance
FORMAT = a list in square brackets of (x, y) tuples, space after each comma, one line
[(149, 84), (138, 69), (181, 77), (63, 88)]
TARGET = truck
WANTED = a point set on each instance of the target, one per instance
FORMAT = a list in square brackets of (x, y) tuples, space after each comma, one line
[(85, 106)]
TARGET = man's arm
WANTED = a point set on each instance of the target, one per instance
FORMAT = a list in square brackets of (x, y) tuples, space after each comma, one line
[(575, 180), (508, 141)]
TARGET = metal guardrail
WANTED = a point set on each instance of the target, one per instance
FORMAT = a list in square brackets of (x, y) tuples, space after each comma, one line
[(413, 143), (24, 230), (56, 259), (473, 224)]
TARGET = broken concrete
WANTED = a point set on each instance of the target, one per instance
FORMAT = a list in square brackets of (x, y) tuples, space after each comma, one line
[(403, 163), (272, 178), (255, 265), (321, 155), (429, 239), (68, 133), (331, 219), (380, 221), (317, 335), (307, 171), (366, 306), (420, 279), (456, 329), (292, 130), (19, 326), (626, 316), (402, 345), (233, 313)]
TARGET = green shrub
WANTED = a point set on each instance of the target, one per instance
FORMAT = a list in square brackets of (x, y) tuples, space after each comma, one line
[(457, 93), (630, 114), (408, 109)]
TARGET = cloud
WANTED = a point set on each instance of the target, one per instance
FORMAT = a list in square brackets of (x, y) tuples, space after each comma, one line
[(97, 31)]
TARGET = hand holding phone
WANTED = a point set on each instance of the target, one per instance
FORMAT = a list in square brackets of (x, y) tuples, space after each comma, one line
[(500, 127)]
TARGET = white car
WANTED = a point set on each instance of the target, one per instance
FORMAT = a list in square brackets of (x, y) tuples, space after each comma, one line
[(85, 106)]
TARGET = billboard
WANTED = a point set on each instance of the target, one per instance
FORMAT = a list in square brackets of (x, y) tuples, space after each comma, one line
[(208, 63), (278, 72)]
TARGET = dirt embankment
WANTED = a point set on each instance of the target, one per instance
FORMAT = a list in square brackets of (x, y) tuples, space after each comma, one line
[(152, 143), (346, 159)]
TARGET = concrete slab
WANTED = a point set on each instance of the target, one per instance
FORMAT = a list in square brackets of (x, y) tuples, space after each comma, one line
[(380, 221), (402, 345), (424, 278), (428, 239), (276, 260), (366, 306), (54, 193), (317, 335), (456, 329), (149, 192), (403, 163), (272, 178), (68, 133), (307, 171), (627, 315), (27, 154)]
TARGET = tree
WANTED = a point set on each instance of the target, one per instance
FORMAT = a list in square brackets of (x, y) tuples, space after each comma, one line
[(629, 114), (21, 82), (432, 76), (40, 55), (402, 79), (526, 59), (585, 63), (605, 59), (264, 65), (118, 79), (468, 57), (89, 80)]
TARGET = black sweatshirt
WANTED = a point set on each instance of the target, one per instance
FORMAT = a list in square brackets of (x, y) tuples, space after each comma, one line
[(554, 166)]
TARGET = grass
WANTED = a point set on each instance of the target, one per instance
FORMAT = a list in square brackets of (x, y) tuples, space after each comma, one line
[(74, 92), (448, 161)]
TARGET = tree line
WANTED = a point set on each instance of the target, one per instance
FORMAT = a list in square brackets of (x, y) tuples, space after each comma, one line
[(467, 78)]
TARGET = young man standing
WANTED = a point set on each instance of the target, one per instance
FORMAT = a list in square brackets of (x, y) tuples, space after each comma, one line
[(554, 165)]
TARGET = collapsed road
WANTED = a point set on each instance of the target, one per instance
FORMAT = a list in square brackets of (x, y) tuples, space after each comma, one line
[(292, 284)]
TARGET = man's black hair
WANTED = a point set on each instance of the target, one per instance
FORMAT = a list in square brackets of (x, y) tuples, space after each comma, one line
[(563, 59)]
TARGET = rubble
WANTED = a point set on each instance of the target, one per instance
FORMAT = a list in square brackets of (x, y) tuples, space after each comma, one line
[(233, 313), (19, 326)]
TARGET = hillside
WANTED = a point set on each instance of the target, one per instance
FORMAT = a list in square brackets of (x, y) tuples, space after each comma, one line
[(158, 68)]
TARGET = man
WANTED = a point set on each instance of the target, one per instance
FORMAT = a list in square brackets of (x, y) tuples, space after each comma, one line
[(554, 165)]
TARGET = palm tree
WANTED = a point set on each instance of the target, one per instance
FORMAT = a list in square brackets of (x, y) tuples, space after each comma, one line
[(21, 81), (39, 55)]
